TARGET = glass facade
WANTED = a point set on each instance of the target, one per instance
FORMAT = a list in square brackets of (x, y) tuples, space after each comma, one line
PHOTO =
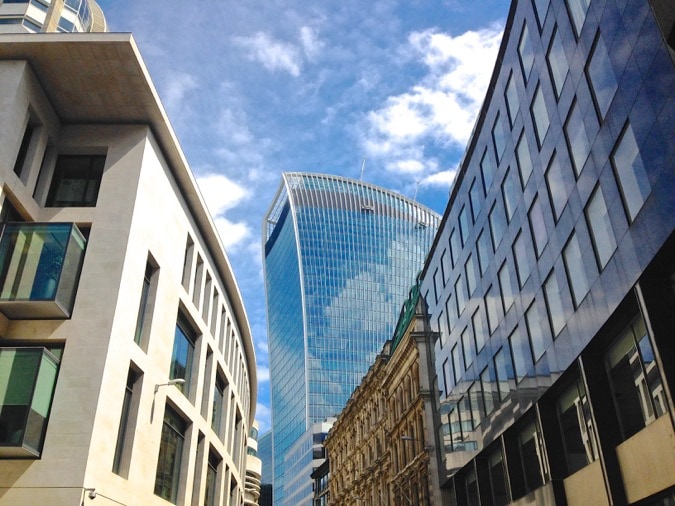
[(340, 256), (575, 282)]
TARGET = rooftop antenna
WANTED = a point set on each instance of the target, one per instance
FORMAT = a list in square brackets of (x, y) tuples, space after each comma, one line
[(363, 166), (417, 187)]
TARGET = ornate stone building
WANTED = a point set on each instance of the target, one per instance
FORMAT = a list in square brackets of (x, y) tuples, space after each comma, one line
[(380, 448)]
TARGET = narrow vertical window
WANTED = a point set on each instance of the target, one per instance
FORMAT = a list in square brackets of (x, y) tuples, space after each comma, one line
[(487, 170), (630, 172), (526, 53), (479, 332), (540, 116), (512, 101), (576, 426), (578, 10), (576, 273), (504, 373), (506, 287), (460, 295), (521, 257), (468, 347), (535, 328), (464, 225), (601, 77), (559, 180), (471, 275), (492, 303), (497, 224), (498, 488), (167, 477), (484, 251), (456, 364), (125, 432), (522, 354), (538, 226), (187, 262), (23, 150), (183, 352), (554, 304), (148, 292), (532, 456), (524, 159), (499, 137), (509, 195), (445, 266), (455, 246), (600, 226), (210, 494), (476, 198), (489, 394), (577, 138), (557, 62)]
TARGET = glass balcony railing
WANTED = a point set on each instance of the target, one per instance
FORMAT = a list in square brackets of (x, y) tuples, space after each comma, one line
[(27, 382), (40, 267)]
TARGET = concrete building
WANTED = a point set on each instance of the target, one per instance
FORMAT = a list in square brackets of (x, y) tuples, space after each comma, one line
[(339, 258), (381, 448), (253, 468), (551, 280), (65, 16), (127, 369)]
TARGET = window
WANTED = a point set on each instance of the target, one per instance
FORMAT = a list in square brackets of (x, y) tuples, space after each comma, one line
[(492, 304), (471, 483), (523, 158), (471, 274), (170, 456), (521, 257), (535, 327), (147, 299), (500, 495), (489, 394), (512, 101), (456, 365), (557, 62), (484, 251), (497, 224), (443, 328), (576, 426), (540, 116), (538, 226), (576, 273), (217, 408), (183, 351), (578, 10), (467, 346), (437, 284), (635, 379), (445, 266), (455, 246), (27, 383), (577, 139), (532, 456), (124, 435), (504, 373), (601, 77), (476, 198), (559, 181), (211, 480), (509, 195), (76, 181), (23, 150), (451, 310), (448, 379), (630, 172), (460, 295), (522, 355), (506, 287), (554, 304), (487, 170), (526, 53), (479, 332), (464, 225), (499, 137), (600, 226)]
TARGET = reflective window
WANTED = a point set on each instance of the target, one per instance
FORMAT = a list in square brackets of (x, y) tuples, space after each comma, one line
[(576, 426), (504, 373), (455, 246), (497, 224), (183, 351), (557, 62), (522, 355), (635, 379), (540, 116), (448, 380), (446, 267), (456, 365), (601, 77), (520, 246), (487, 170), (554, 304), (479, 331), (471, 274), (76, 181), (630, 173), (484, 251), (218, 404), (541, 6), (499, 137), (600, 226), (509, 195), (512, 101), (437, 284), (492, 303), (506, 287), (471, 483), (464, 225), (498, 488), (147, 298), (467, 346), (170, 456), (460, 295), (577, 138), (578, 10), (450, 309), (523, 158), (576, 273), (490, 394), (123, 445), (526, 53), (559, 180), (538, 226), (535, 327), (532, 456), (210, 496), (476, 198), (443, 329)]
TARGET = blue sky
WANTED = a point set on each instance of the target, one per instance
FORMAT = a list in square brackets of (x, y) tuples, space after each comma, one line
[(256, 88)]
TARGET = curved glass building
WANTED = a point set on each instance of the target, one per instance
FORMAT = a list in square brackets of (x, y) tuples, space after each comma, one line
[(339, 258)]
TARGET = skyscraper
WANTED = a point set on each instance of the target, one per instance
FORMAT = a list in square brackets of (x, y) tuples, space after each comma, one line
[(339, 256), (65, 16)]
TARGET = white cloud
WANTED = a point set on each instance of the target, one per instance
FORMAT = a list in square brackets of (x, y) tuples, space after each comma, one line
[(264, 416), (274, 55), (263, 374), (311, 44), (233, 234), (176, 90), (220, 192), (443, 178), (440, 109)]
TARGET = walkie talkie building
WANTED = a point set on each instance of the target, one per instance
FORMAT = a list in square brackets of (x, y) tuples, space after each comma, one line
[(340, 256)]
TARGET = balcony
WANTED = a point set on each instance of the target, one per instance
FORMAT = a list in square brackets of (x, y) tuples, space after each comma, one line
[(40, 267), (27, 381)]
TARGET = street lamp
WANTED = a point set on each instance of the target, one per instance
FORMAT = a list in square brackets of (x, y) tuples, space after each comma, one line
[(177, 381), (427, 448)]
